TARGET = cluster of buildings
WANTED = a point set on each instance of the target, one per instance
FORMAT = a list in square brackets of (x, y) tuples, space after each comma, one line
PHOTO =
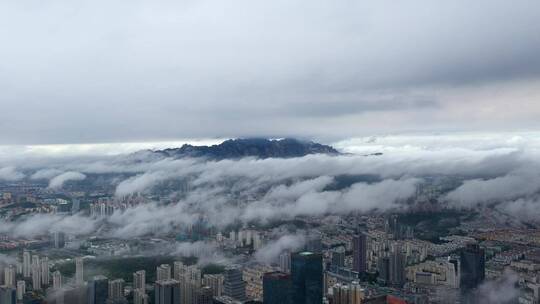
[(348, 259), (368, 265), (245, 237), (106, 206)]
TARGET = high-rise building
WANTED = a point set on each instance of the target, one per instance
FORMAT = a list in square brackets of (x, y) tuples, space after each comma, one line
[(338, 257), (178, 270), (36, 277), (8, 295), (45, 271), (253, 276), (139, 287), (79, 271), (276, 288), (340, 294), (27, 264), (214, 281), (285, 262), (383, 267), (59, 239), (357, 293), (454, 276), (163, 272), (167, 292), (139, 280), (397, 229), (360, 253), (9, 276), (472, 266), (140, 297), (35, 260), (98, 290), (21, 290), (347, 294), (36, 273), (205, 295), (257, 242), (314, 242), (19, 266), (233, 285), (397, 267), (190, 283), (181, 274), (116, 291), (307, 278), (2, 274), (248, 234), (241, 237), (75, 205), (189, 278), (57, 280)]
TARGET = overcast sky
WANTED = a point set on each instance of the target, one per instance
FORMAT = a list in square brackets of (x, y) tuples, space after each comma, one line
[(132, 70)]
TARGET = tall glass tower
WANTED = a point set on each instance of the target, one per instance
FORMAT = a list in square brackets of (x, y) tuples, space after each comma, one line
[(98, 290), (276, 288), (472, 266), (307, 278)]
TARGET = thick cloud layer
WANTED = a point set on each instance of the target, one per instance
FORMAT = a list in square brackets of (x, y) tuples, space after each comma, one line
[(141, 182), (361, 197), (270, 252), (39, 224), (514, 185), (6, 260), (206, 253), (59, 180), (145, 70), (471, 171), (501, 291), (10, 174), (46, 174)]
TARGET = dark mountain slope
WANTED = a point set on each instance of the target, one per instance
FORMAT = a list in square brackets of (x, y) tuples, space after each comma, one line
[(251, 147)]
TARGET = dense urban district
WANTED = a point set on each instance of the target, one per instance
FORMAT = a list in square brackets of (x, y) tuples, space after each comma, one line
[(86, 242)]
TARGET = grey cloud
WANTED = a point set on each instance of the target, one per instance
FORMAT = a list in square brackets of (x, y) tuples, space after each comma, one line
[(361, 197), (10, 174), (348, 104), (283, 192), (206, 253), (511, 186), (476, 157), (6, 259), (59, 180), (150, 219), (140, 183), (501, 291), (214, 206), (157, 70), (523, 209), (284, 188), (46, 174), (389, 165), (380, 196), (271, 251), (39, 224)]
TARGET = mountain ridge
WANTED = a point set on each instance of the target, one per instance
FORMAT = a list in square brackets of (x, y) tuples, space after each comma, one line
[(250, 147)]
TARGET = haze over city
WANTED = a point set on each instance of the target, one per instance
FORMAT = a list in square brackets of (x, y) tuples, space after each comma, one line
[(278, 152)]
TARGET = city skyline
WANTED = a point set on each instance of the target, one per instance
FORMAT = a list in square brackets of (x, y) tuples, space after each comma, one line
[(269, 152)]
